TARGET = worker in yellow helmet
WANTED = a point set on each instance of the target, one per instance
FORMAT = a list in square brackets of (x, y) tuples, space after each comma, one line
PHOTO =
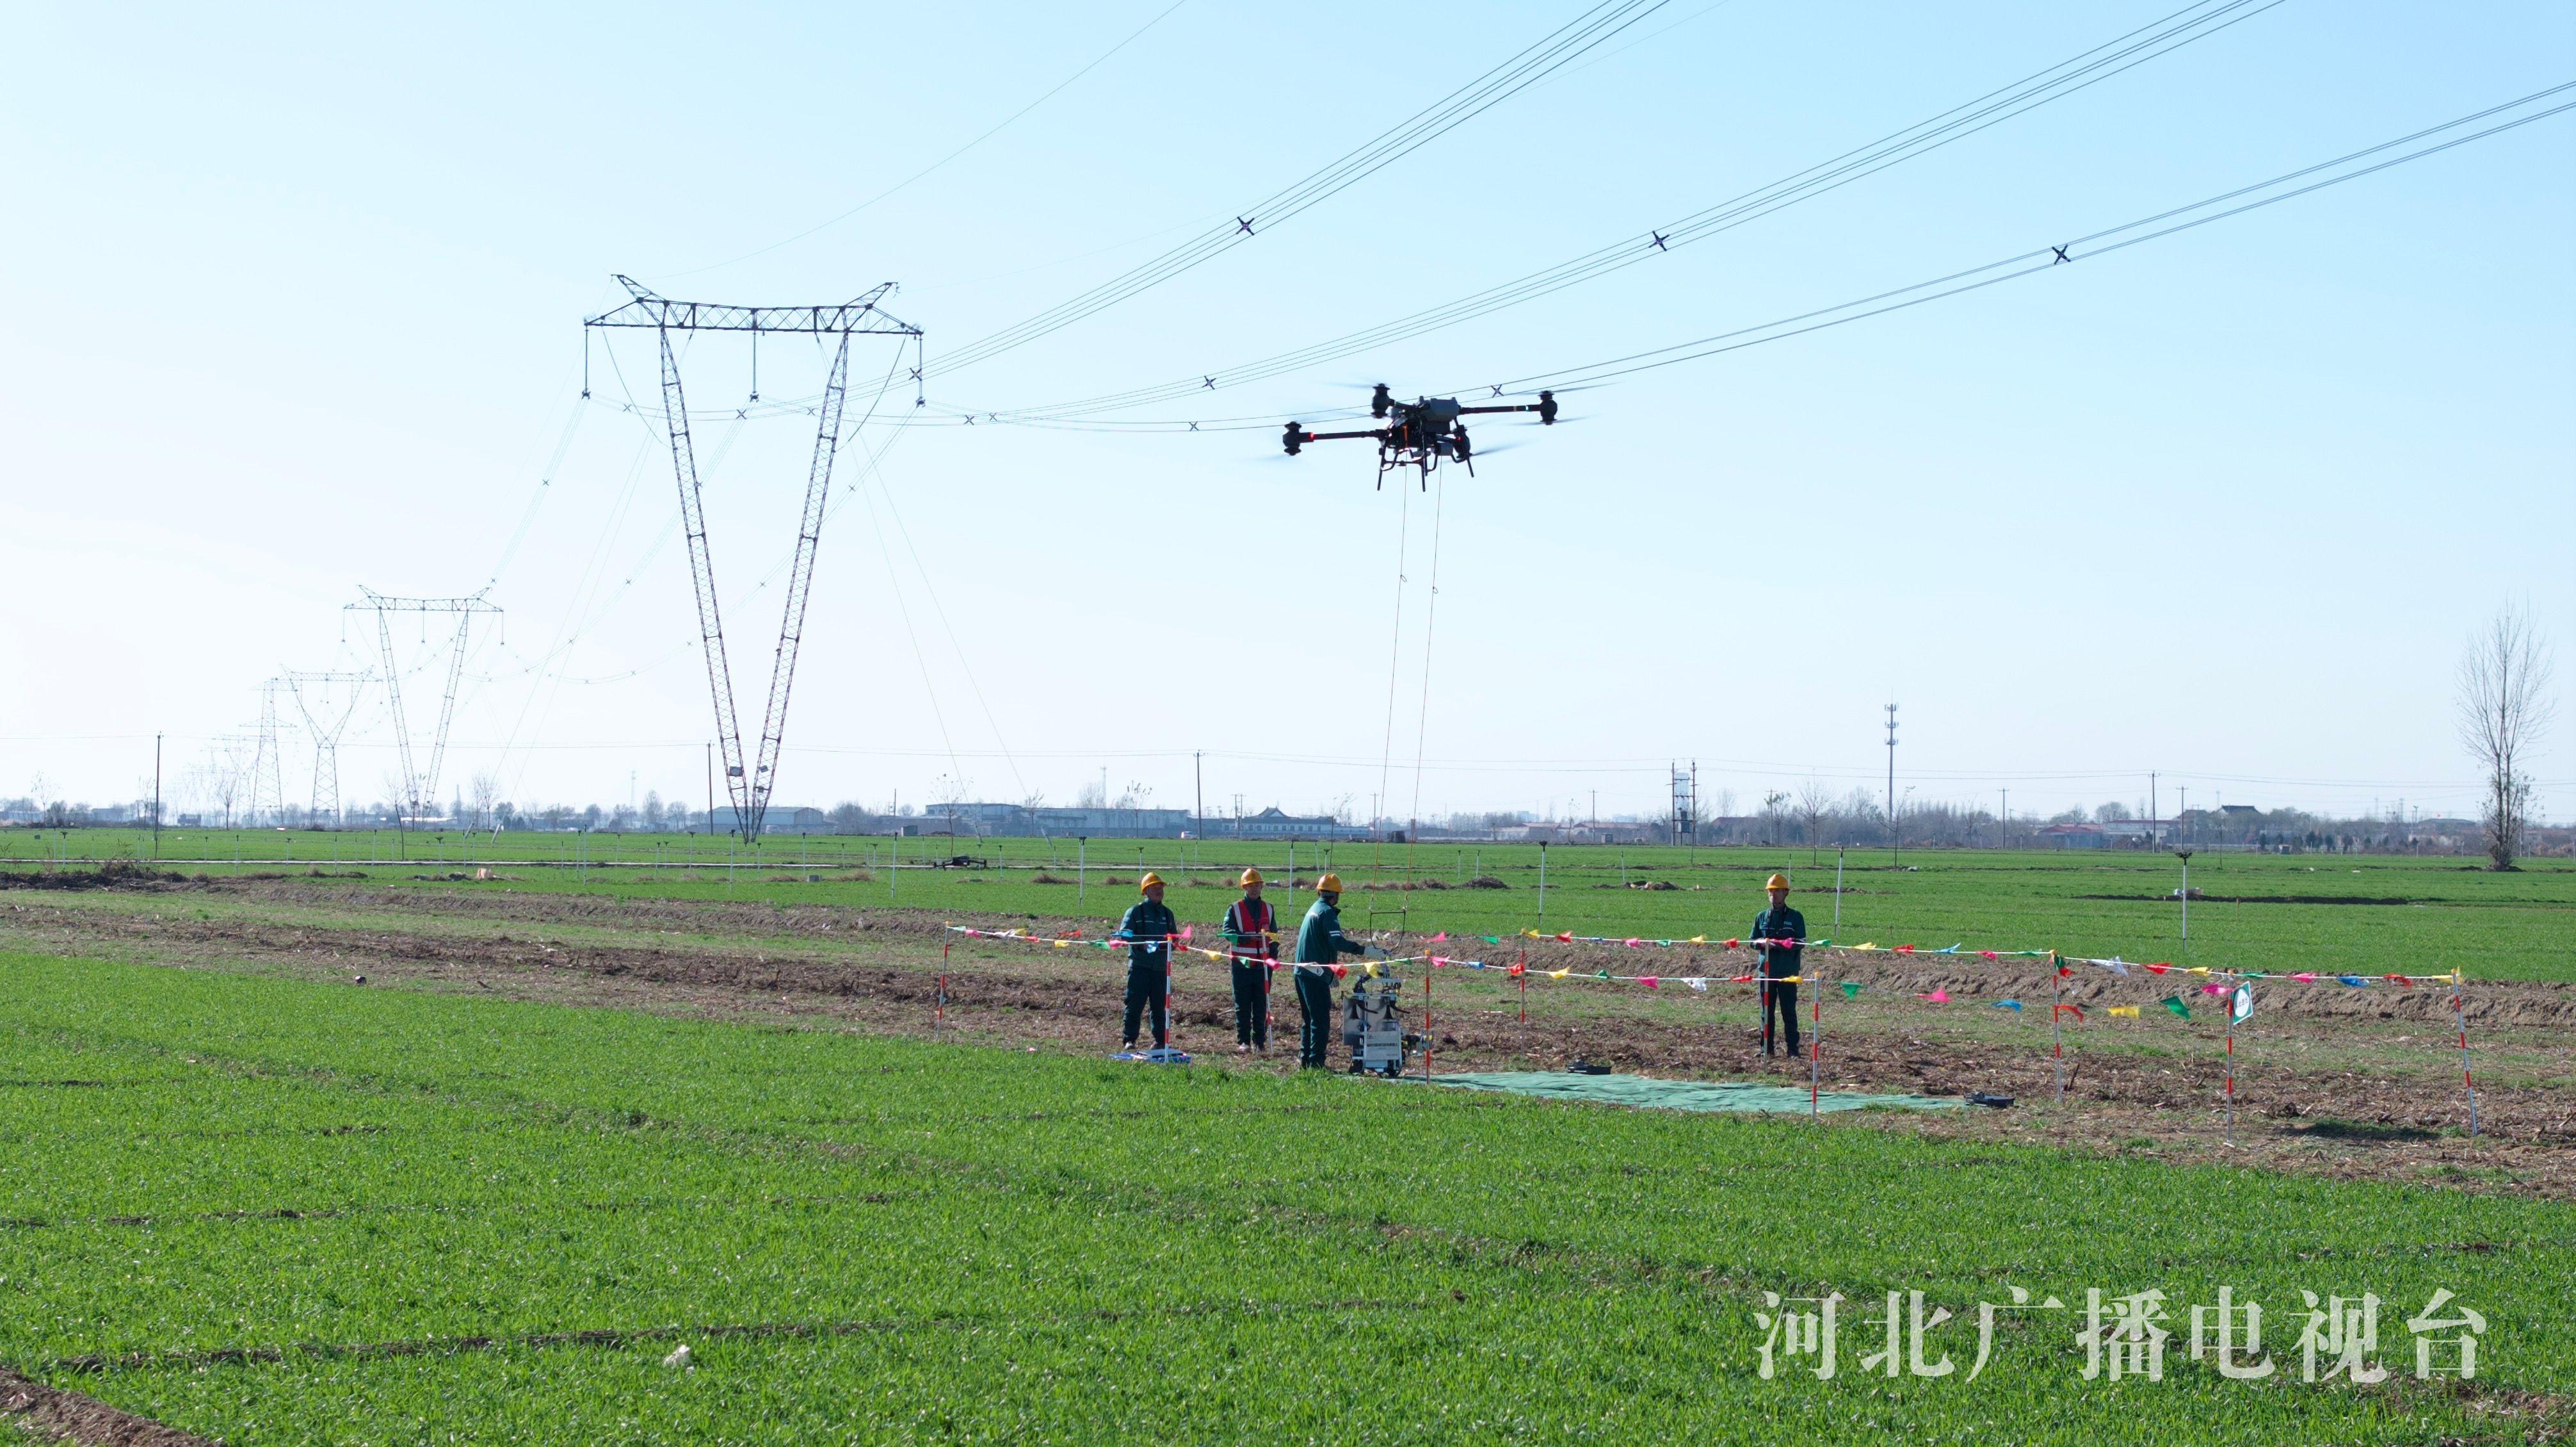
[(1148, 927), (1320, 946), (1252, 949), (1781, 931)]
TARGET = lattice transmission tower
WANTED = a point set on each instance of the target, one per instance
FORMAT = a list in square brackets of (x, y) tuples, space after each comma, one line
[(267, 774), (860, 316), (326, 719), (421, 784)]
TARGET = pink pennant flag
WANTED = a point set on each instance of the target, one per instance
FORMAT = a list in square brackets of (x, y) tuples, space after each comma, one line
[(1441, 938), (1937, 997), (1647, 980), (1437, 962), (1632, 942), (2213, 989), (1986, 954)]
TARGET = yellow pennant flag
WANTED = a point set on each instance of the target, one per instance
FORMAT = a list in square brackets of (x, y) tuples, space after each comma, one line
[(2129, 1010), (1557, 974), (1699, 939)]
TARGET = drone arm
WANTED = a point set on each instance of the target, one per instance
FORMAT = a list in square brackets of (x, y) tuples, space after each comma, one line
[(1545, 407)]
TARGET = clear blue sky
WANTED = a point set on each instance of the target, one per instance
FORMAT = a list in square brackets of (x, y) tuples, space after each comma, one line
[(293, 303)]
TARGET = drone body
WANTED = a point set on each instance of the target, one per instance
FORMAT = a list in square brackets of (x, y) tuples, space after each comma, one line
[(1419, 433)]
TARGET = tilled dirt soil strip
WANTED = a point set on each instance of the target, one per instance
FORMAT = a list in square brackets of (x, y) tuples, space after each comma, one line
[(72, 1417), (882, 966)]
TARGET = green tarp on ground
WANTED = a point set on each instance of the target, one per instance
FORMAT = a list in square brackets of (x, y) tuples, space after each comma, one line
[(1682, 1094)]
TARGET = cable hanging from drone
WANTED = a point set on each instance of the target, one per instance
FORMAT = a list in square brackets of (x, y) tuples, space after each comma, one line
[(749, 782), (1420, 433)]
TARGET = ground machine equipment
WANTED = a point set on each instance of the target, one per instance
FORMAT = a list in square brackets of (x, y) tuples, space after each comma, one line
[(1373, 1026)]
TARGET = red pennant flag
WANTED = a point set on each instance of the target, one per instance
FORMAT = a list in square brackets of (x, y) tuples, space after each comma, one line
[(1987, 955), (2158, 969), (1341, 972), (1648, 981), (1565, 939), (1905, 949)]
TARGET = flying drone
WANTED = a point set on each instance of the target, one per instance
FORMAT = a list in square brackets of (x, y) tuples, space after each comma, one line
[(1419, 433)]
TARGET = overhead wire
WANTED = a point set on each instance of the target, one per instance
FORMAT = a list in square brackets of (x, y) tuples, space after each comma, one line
[(1496, 85), (2050, 257), (1004, 124), (2045, 258), (2183, 27)]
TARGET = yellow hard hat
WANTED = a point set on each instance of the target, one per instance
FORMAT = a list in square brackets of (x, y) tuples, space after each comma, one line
[(1777, 881), (1150, 881), (1329, 884), (1250, 876)]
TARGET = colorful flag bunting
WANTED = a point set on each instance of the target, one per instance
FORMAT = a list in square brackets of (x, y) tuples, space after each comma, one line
[(2175, 1004)]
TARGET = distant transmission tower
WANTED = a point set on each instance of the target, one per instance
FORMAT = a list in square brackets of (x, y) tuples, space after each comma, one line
[(267, 778), (420, 786), (325, 721), (857, 317)]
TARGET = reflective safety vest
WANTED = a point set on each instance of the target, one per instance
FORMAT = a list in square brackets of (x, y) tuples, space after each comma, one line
[(1248, 930)]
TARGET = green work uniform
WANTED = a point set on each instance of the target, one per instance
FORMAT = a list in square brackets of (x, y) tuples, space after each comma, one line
[(1320, 945)]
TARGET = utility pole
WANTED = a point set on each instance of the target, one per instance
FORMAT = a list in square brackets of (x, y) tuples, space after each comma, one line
[(2007, 838), (2155, 836), (156, 796), (1892, 836), (1198, 808), (711, 788)]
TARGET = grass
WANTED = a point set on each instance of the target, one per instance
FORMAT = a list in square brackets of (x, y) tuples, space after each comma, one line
[(220, 1190), (2447, 911)]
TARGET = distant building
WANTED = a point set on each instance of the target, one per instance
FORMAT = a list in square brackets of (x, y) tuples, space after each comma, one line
[(777, 819), (2073, 836), (1275, 823)]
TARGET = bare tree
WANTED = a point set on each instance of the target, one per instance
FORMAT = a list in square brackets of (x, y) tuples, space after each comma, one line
[(487, 794), (2503, 675), (1815, 805), (1775, 814)]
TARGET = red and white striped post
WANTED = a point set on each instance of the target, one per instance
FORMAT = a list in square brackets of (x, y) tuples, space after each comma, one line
[(2460, 1017)]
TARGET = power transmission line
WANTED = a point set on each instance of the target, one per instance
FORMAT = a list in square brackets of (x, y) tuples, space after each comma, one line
[(2011, 268), (2047, 258), (2192, 23), (1458, 107), (1005, 124)]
